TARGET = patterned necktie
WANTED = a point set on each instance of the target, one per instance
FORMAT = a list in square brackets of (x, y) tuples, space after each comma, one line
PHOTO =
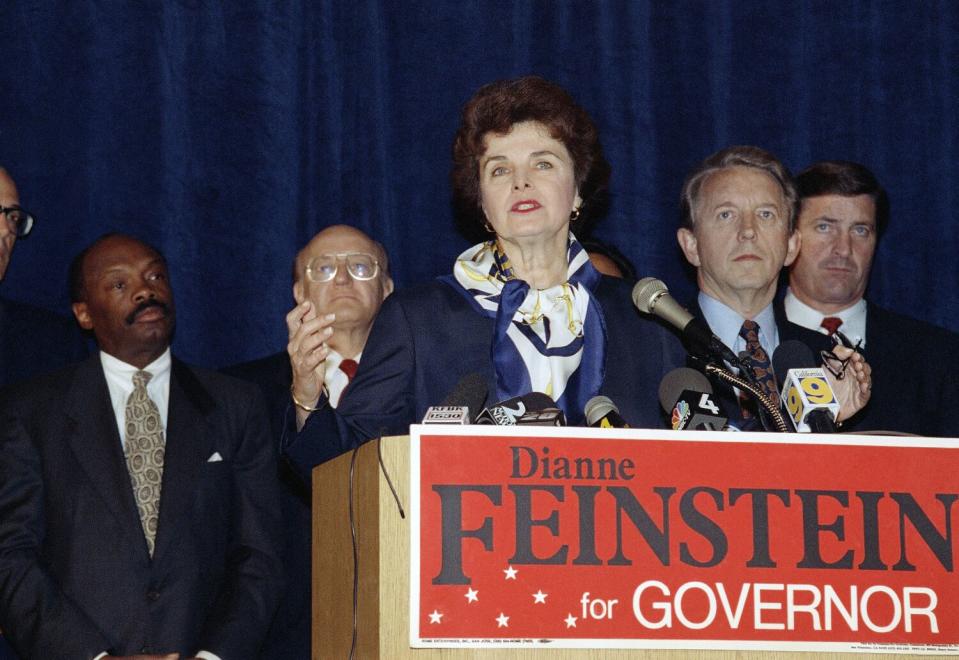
[(831, 324), (759, 362), (144, 453)]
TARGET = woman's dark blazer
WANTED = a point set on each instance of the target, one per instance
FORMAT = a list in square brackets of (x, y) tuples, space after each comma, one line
[(427, 340)]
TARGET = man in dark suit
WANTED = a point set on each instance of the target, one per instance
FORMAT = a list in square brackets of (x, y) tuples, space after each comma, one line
[(738, 231), (32, 340), (341, 271), (843, 212), (137, 494)]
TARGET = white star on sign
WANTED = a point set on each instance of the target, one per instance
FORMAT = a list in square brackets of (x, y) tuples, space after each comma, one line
[(472, 595), (570, 620), (435, 616), (502, 621), (510, 573), (539, 597)]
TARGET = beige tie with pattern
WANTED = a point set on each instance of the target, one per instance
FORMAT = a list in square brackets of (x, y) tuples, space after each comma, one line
[(144, 454)]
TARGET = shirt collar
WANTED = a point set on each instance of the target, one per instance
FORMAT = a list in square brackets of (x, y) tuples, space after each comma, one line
[(726, 323), (853, 317), (333, 360), (117, 368)]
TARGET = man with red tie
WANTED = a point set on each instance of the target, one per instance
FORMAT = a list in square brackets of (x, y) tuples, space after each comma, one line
[(738, 231), (340, 279), (843, 212)]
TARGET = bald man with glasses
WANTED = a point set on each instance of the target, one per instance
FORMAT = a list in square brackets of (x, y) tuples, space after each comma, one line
[(340, 279), (343, 283), (32, 340)]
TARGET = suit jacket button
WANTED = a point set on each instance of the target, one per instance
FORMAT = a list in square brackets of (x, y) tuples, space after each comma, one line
[(153, 595)]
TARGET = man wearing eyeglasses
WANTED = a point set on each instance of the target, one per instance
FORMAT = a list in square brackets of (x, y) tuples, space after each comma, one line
[(340, 279), (17, 222), (843, 212), (32, 340)]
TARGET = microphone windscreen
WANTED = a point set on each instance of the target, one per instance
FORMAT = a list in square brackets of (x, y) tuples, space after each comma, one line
[(645, 291), (792, 354), (678, 380), (598, 407), (538, 401), (470, 391), (506, 413)]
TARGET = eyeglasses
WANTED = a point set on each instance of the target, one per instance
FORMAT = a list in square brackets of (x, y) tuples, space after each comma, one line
[(835, 364), (360, 265), (19, 220)]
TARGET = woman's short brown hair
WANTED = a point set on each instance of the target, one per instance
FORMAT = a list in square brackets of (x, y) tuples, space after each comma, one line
[(496, 108)]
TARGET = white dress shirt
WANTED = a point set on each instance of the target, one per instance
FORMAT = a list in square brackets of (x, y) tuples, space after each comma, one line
[(335, 379), (119, 377), (853, 317)]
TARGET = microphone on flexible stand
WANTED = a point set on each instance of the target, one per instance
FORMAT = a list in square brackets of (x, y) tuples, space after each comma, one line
[(651, 296), (771, 417)]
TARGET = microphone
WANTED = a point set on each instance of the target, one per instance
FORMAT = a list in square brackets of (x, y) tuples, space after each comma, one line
[(533, 409), (447, 415), (809, 400), (471, 389), (684, 394), (601, 412), (469, 394), (651, 296), (545, 417)]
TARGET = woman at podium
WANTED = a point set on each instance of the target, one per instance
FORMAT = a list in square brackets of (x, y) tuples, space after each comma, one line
[(521, 311)]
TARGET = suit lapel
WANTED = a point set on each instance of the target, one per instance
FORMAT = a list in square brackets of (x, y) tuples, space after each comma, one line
[(186, 440), (93, 436)]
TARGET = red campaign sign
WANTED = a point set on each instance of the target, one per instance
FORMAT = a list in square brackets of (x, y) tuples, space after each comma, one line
[(657, 539)]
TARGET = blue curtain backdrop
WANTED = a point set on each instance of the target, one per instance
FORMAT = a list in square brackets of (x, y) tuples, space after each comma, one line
[(228, 133)]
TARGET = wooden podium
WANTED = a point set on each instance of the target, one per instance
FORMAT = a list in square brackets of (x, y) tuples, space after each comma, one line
[(383, 589)]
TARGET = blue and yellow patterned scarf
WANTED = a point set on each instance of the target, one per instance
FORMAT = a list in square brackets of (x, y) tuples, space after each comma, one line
[(545, 340)]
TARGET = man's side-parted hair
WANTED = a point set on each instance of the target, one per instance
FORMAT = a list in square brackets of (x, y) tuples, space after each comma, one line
[(497, 107), (738, 156), (847, 179)]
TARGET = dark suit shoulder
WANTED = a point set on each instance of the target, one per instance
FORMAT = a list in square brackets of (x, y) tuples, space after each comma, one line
[(270, 370), (899, 346), (906, 327), (40, 391), (35, 341), (434, 297), (214, 384), (273, 375)]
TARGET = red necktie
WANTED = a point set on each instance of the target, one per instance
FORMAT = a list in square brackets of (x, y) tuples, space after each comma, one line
[(831, 324), (348, 367)]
